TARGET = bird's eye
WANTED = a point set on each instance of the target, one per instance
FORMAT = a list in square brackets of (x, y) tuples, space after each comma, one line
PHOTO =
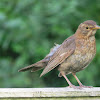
[(87, 28)]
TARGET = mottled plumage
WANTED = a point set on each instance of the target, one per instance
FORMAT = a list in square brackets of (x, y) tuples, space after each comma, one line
[(73, 55)]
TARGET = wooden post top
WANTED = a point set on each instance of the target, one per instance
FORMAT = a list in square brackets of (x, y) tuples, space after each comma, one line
[(50, 93)]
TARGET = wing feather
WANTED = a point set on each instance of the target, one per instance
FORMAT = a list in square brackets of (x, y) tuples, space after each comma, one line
[(66, 49)]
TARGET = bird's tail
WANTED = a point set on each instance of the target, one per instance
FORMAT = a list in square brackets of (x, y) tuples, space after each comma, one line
[(35, 67), (42, 63)]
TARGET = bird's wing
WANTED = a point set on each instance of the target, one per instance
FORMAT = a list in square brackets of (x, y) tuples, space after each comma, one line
[(66, 49)]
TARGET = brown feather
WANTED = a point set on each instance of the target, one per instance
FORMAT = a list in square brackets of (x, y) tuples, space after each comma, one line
[(34, 67), (64, 51), (42, 63)]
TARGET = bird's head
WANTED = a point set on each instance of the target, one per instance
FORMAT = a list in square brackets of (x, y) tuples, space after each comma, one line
[(88, 28)]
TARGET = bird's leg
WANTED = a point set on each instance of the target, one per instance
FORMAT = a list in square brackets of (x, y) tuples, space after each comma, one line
[(70, 84), (81, 85)]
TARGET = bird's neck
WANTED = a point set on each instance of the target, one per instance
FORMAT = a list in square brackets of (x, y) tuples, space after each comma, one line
[(79, 35)]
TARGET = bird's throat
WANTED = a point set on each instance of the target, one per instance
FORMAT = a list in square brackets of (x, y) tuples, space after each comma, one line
[(89, 34)]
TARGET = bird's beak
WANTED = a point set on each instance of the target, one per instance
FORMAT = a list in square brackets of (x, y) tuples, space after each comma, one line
[(96, 27)]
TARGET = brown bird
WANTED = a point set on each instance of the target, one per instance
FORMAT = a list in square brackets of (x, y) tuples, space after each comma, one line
[(72, 56)]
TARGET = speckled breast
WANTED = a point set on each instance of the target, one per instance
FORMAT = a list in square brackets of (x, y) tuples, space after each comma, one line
[(83, 55)]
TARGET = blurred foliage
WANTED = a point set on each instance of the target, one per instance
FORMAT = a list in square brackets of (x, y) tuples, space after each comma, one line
[(29, 28)]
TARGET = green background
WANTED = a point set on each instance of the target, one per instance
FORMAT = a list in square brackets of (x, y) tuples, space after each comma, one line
[(29, 28)]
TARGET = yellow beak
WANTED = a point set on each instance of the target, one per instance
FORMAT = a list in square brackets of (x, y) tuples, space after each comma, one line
[(96, 27)]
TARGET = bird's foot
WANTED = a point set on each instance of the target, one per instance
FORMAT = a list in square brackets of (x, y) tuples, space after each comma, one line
[(83, 86), (75, 87)]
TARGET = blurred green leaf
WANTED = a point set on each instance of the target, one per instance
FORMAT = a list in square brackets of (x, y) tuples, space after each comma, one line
[(29, 28)]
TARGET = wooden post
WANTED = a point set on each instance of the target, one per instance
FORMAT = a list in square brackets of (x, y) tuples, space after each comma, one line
[(50, 93)]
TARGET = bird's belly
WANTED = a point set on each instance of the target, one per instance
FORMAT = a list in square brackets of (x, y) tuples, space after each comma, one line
[(79, 62), (76, 62)]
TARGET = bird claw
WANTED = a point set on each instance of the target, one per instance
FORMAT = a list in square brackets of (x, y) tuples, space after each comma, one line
[(75, 87), (83, 86), (79, 87)]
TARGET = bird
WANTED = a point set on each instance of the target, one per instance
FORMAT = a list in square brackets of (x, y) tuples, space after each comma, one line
[(72, 56)]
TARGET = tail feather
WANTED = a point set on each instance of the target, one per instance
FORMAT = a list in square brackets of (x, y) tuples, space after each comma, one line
[(34, 67), (26, 68), (42, 63)]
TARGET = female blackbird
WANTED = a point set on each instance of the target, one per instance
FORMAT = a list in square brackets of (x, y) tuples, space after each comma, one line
[(72, 56)]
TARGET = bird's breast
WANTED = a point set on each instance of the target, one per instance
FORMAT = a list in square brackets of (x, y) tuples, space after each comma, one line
[(83, 55)]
